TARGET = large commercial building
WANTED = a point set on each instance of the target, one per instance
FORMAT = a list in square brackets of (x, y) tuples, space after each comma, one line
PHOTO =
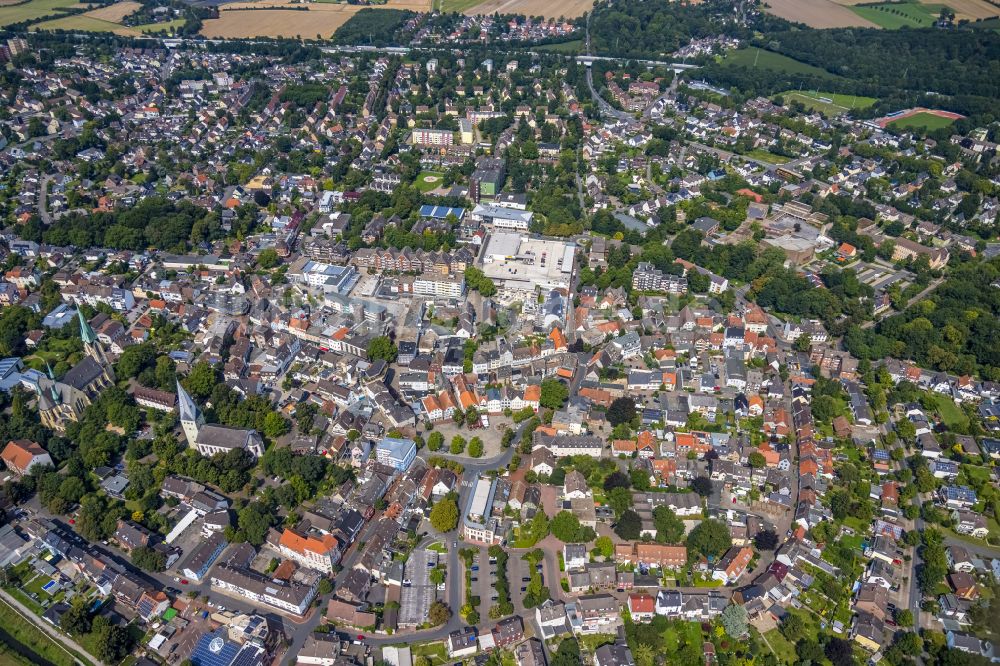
[(291, 596), (396, 452), (320, 552), (522, 266), (647, 277), (433, 137), (478, 524), (502, 218)]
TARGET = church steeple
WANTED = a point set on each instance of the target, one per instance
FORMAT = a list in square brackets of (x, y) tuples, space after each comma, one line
[(191, 417), (91, 344)]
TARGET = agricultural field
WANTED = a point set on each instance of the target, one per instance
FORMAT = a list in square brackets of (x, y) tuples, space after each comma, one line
[(286, 19), (964, 9), (34, 10), (922, 121), (752, 57), (85, 23), (168, 26), (245, 23), (116, 12), (894, 15), (818, 13), (829, 103), (546, 8), (447, 6)]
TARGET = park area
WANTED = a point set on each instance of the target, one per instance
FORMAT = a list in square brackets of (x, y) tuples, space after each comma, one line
[(428, 180)]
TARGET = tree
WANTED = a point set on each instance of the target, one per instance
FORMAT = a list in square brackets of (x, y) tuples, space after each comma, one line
[(268, 258), (710, 538), (702, 485), (604, 546), (439, 613), (669, 528), (325, 586), (629, 526), (148, 559), (566, 527), (444, 515), (568, 653), (201, 381), (756, 459), (734, 620), (839, 652), (766, 540), (382, 348), (76, 620), (616, 479), (793, 627), (619, 499), (476, 447), (904, 617), (622, 410), (434, 441), (436, 576), (457, 445), (113, 644), (554, 394), (643, 653)]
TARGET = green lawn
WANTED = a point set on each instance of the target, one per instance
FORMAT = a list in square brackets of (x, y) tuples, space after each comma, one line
[(754, 57), (80, 23), (764, 156), (157, 27), (827, 102), (455, 5), (922, 120), (33, 10), (435, 652), (893, 15), (14, 628), (781, 647), (950, 413), (428, 180), (572, 47)]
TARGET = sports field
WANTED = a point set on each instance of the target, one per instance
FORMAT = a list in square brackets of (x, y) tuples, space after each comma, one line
[(831, 104), (36, 9), (753, 57), (922, 120), (546, 8)]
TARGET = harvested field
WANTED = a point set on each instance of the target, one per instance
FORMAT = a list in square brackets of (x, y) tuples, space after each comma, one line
[(412, 5), (236, 24), (85, 23), (817, 13), (114, 13), (546, 8), (8, 3)]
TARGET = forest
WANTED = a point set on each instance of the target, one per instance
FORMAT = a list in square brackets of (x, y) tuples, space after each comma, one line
[(955, 329), (154, 222)]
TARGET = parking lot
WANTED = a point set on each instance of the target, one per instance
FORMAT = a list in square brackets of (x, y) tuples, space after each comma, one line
[(418, 593)]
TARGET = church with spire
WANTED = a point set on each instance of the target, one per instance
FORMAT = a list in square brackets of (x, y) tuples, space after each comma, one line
[(209, 439), (64, 400)]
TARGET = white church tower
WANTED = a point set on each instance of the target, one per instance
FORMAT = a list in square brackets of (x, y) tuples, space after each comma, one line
[(191, 418)]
